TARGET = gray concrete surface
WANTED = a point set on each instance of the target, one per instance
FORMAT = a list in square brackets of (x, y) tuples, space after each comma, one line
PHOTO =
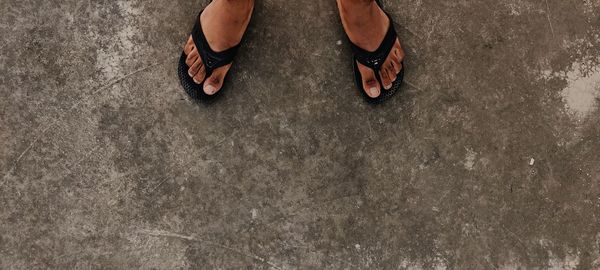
[(489, 158)]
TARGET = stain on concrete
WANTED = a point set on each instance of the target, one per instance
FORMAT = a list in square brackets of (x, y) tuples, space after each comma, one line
[(470, 160), (583, 90)]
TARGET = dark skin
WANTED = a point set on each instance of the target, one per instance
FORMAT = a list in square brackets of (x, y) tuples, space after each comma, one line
[(225, 21)]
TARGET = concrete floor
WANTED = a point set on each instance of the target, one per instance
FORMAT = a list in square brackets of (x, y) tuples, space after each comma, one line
[(488, 159)]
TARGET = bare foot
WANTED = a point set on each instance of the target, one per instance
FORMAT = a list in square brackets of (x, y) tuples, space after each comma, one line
[(366, 24), (223, 23)]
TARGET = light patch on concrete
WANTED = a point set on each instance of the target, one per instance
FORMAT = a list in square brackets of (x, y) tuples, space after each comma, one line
[(407, 265), (110, 61), (129, 8), (570, 262), (518, 7), (510, 264), (470, 160), (123, 46), (583, 88), (591, 5), (412, 265), (155, 252), (581, 94)]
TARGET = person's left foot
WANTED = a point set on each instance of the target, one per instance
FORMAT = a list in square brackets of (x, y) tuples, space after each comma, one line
[(223, 24), (366, 24)]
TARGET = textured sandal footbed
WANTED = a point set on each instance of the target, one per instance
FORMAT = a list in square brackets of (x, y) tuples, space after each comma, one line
[(211, 60), (374, 60)]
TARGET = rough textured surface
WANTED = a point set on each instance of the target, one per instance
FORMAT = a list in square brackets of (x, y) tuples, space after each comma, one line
[(488, 159)]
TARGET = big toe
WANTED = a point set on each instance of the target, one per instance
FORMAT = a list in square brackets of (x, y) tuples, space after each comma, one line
[(370, 84), (214, 83)]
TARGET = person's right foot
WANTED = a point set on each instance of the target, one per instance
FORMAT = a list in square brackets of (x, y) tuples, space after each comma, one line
[(223, 23)]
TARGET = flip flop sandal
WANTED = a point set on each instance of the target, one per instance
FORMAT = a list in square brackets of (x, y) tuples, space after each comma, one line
[(211, 60), (374, 60)]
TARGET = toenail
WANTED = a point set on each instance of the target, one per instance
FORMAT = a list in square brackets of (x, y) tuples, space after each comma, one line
[(209, 89), (374, 91), (196, 81), (190, 73), (388, 87)]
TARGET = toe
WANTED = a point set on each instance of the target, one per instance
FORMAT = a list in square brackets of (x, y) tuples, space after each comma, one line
[(396, 67), (195, 67), (200, 75), (215, 81), (386, 79), (394, 62), (189, 45), (395, 58), (191, 57), (391, 70), (370, 84), (399, 52), (392, 66)]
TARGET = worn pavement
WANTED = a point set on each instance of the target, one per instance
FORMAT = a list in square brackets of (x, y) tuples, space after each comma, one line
[(488, 159)]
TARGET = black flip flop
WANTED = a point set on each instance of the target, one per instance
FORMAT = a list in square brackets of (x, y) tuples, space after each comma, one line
[(374, 60), (211, 60)]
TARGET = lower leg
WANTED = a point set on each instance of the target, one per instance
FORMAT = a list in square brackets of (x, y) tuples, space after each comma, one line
[(364, 22)]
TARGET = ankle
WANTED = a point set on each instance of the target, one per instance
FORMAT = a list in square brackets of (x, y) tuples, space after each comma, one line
[(358, 3), (364, 21), (354, 9), (358, 12), (238, 6)]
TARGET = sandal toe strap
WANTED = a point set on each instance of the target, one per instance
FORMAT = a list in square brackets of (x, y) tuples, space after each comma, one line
[(211, 59), (375, 59)]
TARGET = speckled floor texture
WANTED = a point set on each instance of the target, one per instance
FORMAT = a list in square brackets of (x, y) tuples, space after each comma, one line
[(489, 158)]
